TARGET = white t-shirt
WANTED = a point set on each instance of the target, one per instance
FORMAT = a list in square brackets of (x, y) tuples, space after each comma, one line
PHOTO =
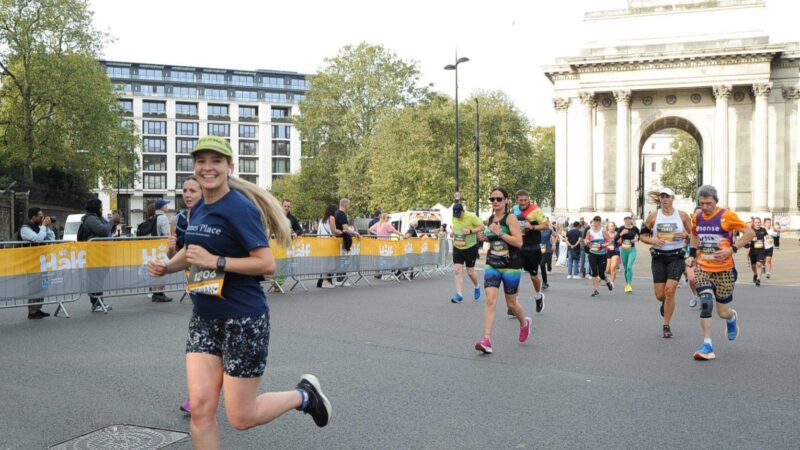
[(665, 228)]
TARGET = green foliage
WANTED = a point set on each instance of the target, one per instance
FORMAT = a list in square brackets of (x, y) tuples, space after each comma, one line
[(681, 171), (543, 185), (57, 106)]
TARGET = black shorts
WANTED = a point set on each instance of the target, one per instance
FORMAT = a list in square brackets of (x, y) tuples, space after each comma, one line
[(531, 260), (597, 265), (668, 267), (242, 343), (757, 256), (466, 256), (768, 252)]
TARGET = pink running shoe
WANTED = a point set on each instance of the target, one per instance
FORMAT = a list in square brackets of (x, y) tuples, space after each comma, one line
[(484, 345), (525, 330), (185, 407)]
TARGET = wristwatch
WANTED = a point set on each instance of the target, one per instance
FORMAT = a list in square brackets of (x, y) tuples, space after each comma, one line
[(221, 263)]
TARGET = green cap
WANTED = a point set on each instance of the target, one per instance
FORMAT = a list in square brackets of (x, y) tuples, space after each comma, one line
[(214, 143)]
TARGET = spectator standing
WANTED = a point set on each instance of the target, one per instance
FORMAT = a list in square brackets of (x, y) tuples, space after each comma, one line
[(94, 226), (162, 229), (376, 217), (326, 227), (344, 230), (297, 230), (575, 250), (36, 230)]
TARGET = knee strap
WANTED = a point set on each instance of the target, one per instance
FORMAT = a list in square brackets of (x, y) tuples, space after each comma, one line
[(706, 305)]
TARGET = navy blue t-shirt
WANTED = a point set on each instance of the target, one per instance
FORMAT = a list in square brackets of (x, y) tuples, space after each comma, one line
[(229, 227)]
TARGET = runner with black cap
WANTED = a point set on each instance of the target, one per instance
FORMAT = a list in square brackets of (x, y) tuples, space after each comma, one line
[(466, 225), (666, 229)]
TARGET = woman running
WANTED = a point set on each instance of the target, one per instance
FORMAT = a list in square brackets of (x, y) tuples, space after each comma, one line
[(612, 253), (503, 266), (597, 240), (227, 252), (626, 239), (770, 243)]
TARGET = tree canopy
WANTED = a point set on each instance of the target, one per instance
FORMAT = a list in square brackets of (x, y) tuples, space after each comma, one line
[(681, 171)]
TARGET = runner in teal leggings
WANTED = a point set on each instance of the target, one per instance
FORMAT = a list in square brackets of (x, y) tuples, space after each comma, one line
[(626, 237)]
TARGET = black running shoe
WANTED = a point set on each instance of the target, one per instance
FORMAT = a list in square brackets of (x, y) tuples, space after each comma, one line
[(540, 303), (510, 314), (595, 294), (758, 283), (318, 405), (667, 332)]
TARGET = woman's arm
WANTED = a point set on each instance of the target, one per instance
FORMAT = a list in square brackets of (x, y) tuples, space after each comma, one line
[(260, 261), (515, 238)]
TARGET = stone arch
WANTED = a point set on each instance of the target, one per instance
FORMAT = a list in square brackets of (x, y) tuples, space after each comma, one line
[(658, 122)]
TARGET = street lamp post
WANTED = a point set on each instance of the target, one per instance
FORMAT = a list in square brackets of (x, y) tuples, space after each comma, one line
[(454, 67)]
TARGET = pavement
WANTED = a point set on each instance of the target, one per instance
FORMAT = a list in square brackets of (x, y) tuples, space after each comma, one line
[(398, 364)]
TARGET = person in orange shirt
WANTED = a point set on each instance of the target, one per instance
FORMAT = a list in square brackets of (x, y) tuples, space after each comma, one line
[(712, 247)]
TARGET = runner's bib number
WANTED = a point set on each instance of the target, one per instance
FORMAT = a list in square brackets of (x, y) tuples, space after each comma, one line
[(666, 232), (595, 247), (205, 281), (759, 244), (627, 244), (709, 245), (460, 241), (543, 248)]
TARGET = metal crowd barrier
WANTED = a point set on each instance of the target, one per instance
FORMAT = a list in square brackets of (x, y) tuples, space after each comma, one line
[(36, 282), (126, 273)]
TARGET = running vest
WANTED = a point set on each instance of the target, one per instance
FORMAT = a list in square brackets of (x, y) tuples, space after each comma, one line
[(665, 228), (712, 237), (596, 242), (500, 254)]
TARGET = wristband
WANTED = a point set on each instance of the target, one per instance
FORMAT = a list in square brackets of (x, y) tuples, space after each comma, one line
[(692, 252)]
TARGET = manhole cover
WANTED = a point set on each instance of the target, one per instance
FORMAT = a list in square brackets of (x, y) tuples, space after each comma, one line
[(123, 437)]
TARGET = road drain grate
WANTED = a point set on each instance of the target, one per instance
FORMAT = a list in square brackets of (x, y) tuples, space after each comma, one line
[(123, 437)]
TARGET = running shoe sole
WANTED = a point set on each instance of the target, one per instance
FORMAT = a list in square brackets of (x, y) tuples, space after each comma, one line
[(704, 356), (482, 348), (313, 381)]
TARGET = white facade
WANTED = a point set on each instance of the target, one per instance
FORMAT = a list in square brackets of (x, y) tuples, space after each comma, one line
[(142, 87), (706, 70)]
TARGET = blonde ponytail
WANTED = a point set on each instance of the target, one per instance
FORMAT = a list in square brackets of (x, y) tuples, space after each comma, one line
[(272, 216)]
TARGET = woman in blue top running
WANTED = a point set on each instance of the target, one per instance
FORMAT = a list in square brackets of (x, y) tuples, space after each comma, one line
[(227, 253)]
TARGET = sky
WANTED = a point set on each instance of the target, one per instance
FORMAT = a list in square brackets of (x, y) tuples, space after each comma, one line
[(507, 41)]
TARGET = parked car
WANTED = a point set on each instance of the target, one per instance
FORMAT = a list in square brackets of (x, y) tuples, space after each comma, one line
[(71, 226)]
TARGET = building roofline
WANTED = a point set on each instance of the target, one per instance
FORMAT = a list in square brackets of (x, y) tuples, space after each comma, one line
[(184, 67)]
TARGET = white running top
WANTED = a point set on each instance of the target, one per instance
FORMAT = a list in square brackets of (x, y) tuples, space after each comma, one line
[(665, 228)]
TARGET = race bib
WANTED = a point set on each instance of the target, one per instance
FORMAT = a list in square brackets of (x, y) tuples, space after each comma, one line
[(627, 244), (769, 239), (759, 244), (610, 247), (460, 241), (595, 247), (499, 248), (708, 246), (666, 232), (205, 281), (543, 248)]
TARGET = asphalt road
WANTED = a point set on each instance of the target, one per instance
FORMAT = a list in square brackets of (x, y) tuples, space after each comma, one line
[(397, 362)]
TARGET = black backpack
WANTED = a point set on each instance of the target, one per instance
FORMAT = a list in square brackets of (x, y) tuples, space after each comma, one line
[(83, 231), (148, 227)]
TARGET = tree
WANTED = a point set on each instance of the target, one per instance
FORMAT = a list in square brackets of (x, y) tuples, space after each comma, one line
[(57, 106), (543, 143), (346, 101), (680, 171)]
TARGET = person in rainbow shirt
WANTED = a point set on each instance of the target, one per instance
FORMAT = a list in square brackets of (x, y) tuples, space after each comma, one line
[(712, 247), (532, 222)]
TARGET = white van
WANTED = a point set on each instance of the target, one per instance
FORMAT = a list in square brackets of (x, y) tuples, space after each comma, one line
[(71, 227)]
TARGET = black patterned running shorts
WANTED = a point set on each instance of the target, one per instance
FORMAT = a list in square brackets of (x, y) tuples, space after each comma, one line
[(242, 343), (721, 283)]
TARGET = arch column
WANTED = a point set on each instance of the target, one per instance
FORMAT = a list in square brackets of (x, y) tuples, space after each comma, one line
[(561, 105), (722, 93), (623, 199), (759, 156), (588, 102), (789, 94)]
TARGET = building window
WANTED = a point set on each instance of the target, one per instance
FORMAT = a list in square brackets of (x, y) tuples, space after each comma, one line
[(151, 90), (299, 98), (276, 97), (281, 165), (154, 163), (280, 148), (251, 178), (216, 94), (281, 132), (126, 106), (154, 108), (247, 96), (186, 109), (178, 75), (187, 128), (299, 84), (154, 145), (118, 72), (213, 78), (652, 167), (273, 82), (249, 148), (154, 127), (180, 178), (280, 113), (184, 145), (248, 112), (242, 80), (248, 165), (150, 74), (123, 89), (219, 129), (218, 111), (184, 92), (184, 164), (248, 131), (154, 181)]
